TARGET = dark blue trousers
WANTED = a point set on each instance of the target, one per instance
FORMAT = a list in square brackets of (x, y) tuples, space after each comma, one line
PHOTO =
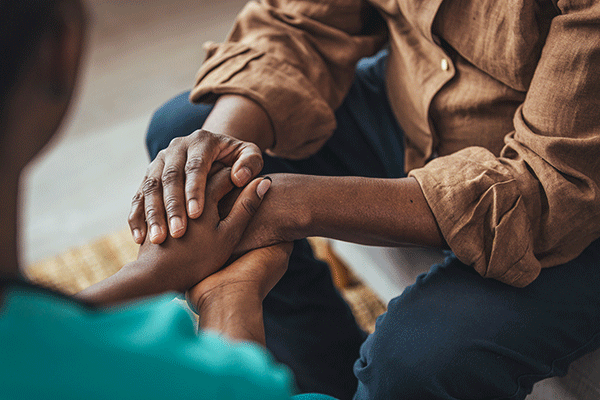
[(451, 335)]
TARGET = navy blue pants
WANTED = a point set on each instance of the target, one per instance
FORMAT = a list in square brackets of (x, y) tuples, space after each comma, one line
[(451, 335)]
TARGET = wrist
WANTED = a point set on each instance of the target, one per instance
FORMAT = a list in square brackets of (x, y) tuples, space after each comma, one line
[(289, 197), (130, 282), (242, 118), (241, 321), (236, 314), (214, 297)]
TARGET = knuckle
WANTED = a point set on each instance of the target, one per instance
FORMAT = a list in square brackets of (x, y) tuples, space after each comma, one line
[(137, 198), (161, 155), (151, 186), (132, 219), (214, 139), (197, 134), (172, 206), (152, 214), (231, 141), (171, 175), (194, 164), (254, 148), (175, 142)]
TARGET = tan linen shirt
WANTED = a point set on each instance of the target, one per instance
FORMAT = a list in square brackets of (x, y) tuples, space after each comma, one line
[(499, 101)]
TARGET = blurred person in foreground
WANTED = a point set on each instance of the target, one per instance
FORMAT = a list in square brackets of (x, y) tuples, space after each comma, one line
[(470, 125), (123, 338)]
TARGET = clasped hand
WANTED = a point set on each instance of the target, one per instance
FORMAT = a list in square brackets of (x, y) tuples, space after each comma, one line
[(175, 182), (210, 239), (205, 174)]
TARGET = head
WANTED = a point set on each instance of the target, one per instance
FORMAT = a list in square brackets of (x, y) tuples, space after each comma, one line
[(40, 47)]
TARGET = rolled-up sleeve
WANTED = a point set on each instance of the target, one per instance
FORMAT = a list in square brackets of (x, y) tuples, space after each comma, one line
[(538, 204), (296, 59)]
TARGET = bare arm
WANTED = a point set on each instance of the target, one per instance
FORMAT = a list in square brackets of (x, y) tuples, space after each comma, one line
[(241, 118), (382, 212)]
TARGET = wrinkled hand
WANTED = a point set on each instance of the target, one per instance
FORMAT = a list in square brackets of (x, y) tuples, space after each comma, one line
[(210, 239), (175, 182)]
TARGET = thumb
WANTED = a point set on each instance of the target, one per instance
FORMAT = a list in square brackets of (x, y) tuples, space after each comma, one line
[(248, 164), (245, 207)]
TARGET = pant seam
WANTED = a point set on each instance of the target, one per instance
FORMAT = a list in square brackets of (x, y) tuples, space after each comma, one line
[(553, 368)]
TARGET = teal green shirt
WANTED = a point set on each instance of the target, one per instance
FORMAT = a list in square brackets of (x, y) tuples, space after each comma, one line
[(54, 348)]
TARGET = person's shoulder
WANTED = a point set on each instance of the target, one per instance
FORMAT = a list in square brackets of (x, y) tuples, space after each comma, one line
[(140, 347)]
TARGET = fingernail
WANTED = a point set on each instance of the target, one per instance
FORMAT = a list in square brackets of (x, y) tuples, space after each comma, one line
[(263, 186), (176, 225), (154, 232), (137, 236), (243, 175), (193, 208)]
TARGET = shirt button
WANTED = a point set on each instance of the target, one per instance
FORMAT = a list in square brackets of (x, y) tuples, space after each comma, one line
[(444, 64)]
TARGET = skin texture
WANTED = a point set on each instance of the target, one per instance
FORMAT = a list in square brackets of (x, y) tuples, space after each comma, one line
[(35, 109), (173, 187), (177, 265), (300, 206), (246, 282)]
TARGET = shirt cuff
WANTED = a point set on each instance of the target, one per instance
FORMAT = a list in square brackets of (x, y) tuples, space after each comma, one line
[(302, 121), (481, 214)]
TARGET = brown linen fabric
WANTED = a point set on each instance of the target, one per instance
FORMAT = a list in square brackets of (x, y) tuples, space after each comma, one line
[(499, 101)]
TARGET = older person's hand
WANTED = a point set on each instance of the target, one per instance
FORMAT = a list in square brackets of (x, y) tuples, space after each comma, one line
[(209, 240), (175, 182), (234, 134)]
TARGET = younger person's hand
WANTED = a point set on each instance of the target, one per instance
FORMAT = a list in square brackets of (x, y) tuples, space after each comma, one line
[(179, 264), (230, 300), (209, 240)]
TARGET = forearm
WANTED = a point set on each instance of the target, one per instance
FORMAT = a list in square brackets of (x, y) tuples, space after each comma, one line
[(242, 118), (127, 284), (381, 212)]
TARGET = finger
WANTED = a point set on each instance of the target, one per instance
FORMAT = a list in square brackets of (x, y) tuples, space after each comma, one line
[(244, 209), (247, 163), (200, 157), (216, 167), (227, 202), (137, 219), (154, 207), (218, 186), (173, 188)]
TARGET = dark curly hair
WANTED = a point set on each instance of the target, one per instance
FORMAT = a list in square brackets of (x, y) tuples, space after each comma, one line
[(22, 25)]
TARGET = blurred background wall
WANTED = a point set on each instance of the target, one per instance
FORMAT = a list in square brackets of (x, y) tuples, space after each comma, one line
[(139, 54)]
